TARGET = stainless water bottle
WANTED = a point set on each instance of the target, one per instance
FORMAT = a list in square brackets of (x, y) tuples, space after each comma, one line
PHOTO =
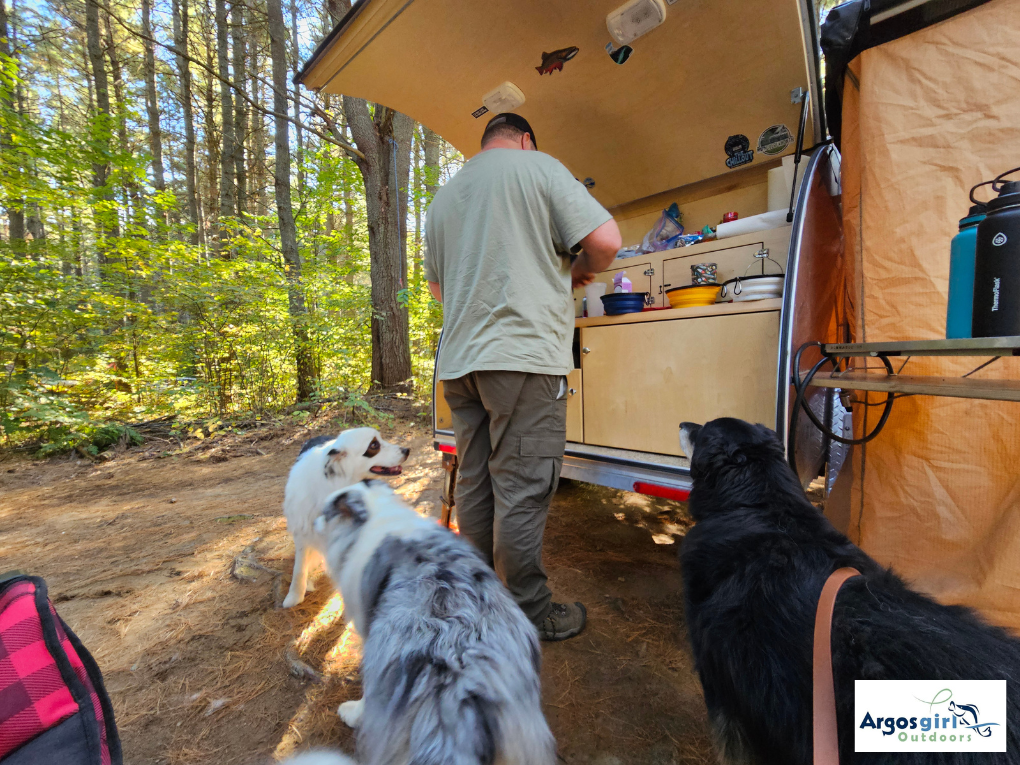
[(997, 266)]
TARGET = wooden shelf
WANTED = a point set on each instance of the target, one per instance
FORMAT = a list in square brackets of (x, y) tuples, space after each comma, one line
[(719, 309), (971, 346), (956, 387)]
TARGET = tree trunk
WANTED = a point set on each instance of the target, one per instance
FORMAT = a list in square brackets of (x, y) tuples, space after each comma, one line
[(288, 233), (180, 14), (151, 101), (430, 171), (403, 133), (132, 196), (257, 156), (348, 209), (385, 139), (295, 62), (240, 55), (118, 86), (212, 135), (105, 218), (14, 206), (431, 142), (228, 202), (416, 195)]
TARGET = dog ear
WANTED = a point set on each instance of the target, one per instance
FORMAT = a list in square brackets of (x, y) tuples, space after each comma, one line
[(334, 458), (348, 505)]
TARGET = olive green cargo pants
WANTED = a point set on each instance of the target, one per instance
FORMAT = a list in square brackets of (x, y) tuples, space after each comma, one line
[(511, 429)]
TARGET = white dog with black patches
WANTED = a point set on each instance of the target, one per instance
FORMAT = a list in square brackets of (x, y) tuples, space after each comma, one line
[(324, 465), (450, 664)]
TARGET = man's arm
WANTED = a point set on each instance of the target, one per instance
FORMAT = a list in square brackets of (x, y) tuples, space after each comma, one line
[(436, 293), (599, 249)]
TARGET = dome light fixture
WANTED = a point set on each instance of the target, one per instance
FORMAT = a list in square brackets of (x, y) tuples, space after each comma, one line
[(636, 18)]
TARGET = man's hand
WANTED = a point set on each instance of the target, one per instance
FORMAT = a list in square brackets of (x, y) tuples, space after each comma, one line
[(580, 272), (599, 249)]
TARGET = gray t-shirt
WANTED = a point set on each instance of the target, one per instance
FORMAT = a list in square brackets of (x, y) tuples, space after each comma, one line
[(497, 240)]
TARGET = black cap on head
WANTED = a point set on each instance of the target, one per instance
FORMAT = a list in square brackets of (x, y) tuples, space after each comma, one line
[(513, 120)]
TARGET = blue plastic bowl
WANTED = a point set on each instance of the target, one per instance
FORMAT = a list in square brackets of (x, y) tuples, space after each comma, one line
[(624, 302)]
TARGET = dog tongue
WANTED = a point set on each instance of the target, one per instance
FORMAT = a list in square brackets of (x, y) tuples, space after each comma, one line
[(380, 470)]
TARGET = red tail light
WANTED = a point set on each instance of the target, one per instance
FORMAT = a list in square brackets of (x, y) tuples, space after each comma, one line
[(447, 448), (666, 492)]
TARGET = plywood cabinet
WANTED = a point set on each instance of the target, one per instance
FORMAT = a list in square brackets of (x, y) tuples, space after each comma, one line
[(575, 407), (732, 261), (641, 380)]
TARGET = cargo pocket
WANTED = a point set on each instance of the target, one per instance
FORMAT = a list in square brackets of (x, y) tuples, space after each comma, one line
[(538, 471), (542, 446)]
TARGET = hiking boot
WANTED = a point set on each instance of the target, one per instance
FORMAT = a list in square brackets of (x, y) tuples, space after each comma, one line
[(563, 621)]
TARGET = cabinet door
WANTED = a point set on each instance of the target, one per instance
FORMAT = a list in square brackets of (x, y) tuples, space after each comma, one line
[(575, 399), (732, 261), (642, 380)]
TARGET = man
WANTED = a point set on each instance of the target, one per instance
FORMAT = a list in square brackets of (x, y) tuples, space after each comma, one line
[(498, 238)]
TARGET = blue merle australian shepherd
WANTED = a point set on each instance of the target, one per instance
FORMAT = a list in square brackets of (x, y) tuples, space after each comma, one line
[(450, 663), (753, 569)]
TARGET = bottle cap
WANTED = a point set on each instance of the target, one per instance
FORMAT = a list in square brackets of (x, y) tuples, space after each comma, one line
[(1009, 196)]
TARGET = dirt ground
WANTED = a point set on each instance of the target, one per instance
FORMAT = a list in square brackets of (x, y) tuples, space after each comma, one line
[(169, 567)]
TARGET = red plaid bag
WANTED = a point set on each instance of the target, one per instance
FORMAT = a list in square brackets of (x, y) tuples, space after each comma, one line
[(53, 706)]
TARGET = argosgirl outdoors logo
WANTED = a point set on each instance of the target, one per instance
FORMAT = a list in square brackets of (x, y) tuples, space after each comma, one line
[(930, 716)]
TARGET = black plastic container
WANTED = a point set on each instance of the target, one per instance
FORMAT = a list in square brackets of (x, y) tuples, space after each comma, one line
[(997, 267)]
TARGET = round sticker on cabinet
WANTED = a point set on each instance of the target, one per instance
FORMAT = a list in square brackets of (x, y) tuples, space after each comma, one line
[(774, 140), (738, 151)]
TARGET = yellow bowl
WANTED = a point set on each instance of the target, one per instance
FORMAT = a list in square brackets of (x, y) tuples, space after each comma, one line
[(693, 297)]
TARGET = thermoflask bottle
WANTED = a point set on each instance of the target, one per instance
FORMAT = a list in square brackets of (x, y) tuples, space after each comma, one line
[(997, 266)]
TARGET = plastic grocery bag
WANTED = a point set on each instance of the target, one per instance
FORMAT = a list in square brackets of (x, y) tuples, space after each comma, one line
[(666, 232)]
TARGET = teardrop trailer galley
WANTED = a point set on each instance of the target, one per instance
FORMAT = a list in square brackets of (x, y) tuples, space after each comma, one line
[(653, 130)]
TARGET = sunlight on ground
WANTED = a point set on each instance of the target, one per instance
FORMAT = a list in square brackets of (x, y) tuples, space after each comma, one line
[(338, 662), (330, 614), (346, 648), (301, 717)]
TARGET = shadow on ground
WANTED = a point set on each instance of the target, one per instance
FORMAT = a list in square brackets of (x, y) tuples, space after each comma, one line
[(169, 570)]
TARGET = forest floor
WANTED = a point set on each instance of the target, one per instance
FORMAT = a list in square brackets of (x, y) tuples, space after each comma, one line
[(169, 566)]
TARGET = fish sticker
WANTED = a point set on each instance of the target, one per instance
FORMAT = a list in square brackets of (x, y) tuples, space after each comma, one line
[(553, 62)]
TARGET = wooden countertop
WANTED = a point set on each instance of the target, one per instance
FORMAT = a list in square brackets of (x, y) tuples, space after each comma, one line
[(719, 309)]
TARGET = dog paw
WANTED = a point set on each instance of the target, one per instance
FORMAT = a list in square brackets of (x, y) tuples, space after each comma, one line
[(292, 600), (350, 712)]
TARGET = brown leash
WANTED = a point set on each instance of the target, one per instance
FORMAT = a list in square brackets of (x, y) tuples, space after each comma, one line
[(826, 740)]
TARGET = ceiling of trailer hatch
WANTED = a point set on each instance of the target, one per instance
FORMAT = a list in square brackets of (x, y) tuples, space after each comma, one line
[(713, 69)]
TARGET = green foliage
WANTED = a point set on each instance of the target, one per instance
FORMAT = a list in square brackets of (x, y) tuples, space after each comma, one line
[(114, 315)]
